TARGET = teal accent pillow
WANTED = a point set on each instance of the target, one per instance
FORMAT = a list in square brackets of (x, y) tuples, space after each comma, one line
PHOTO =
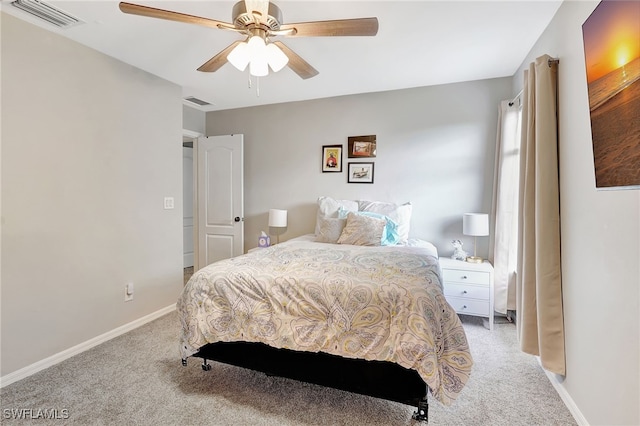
[(390, 235)]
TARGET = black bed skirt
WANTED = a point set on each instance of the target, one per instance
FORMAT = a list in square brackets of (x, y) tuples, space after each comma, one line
[(379, 379)]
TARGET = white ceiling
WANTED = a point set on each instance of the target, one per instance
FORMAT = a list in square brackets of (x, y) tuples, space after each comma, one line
[(419, 43)]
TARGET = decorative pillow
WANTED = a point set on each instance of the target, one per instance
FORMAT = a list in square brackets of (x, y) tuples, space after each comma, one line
[(362, 230), (329, 229), (328, 208), (401, 214), (390, 234)]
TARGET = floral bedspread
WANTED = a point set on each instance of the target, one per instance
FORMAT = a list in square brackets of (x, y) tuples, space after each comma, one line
[(374, 303)]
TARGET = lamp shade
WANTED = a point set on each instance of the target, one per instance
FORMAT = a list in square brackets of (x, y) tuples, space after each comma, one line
[(239, 57), (276, 57), (277, 218), (258, 65), (475, 224)]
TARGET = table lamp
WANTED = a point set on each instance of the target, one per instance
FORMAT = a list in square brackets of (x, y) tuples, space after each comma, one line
[(476, 225), (277, 222)]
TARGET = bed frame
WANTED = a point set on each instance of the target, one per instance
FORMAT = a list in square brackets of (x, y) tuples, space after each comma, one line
[(379, 379)]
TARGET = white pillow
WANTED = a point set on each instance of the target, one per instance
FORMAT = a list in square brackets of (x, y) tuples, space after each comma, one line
[(399, 213), (328, 208), (362, 230)]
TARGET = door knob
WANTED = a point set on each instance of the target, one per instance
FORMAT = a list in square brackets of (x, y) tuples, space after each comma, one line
[(236, 219)]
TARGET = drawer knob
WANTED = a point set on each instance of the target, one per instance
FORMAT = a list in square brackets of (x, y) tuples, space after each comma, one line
[(464, 292), (464, 277), (464, 306)]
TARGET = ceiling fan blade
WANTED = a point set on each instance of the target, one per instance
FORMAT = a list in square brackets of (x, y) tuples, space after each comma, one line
[(339, 27), (219, 60), (296, 63), (152, 12), (259, 8)]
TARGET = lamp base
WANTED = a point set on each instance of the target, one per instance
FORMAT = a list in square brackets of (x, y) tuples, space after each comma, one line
[(474, 259)]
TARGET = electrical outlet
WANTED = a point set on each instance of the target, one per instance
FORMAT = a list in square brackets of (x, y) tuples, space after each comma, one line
[(128, 292)]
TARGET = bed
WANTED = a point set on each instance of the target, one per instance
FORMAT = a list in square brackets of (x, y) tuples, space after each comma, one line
[(370, 319)]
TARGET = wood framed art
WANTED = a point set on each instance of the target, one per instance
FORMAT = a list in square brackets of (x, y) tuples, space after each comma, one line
[(332, 158), (360, 173), (612, 63), (361, 146)]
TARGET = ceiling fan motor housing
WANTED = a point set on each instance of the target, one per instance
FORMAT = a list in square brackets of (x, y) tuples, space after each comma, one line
[(243, 19)]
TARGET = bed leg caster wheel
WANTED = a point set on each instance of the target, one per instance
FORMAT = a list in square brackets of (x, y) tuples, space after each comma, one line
[(184, 362), (205, 366), (422, 413)]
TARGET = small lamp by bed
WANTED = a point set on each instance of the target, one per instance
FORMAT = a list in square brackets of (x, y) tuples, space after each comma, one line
[(277, 223), (476, 225)]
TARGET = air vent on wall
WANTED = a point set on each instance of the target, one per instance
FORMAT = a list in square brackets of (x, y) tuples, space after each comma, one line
[(47, 13), (197, 101)]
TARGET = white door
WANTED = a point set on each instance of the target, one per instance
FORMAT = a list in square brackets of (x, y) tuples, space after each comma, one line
[(220, 198), (187, 205)]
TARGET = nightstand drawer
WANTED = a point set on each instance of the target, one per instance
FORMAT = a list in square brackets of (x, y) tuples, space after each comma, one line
[(467, 291), (469, 306), (461, 276)]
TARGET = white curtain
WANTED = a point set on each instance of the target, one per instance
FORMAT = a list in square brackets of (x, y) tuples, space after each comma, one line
[(539, 282), (504, 211)]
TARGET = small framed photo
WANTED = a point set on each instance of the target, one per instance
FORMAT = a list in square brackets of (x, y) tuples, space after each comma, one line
[(332, 158), (360, 173), (362, 146)]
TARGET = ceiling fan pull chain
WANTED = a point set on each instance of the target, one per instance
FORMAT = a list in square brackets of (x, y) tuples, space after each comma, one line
[(258, 87)]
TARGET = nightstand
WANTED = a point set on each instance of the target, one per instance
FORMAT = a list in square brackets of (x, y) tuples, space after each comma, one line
[(468, 287)]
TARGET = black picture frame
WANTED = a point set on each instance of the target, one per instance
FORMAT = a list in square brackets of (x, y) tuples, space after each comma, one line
[(331, 158), (361, 146), (360, 172)]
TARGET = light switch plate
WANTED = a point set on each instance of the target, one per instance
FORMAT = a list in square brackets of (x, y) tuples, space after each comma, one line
[(168, 203)]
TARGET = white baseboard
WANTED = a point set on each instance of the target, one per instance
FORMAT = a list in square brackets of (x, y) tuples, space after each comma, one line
[(75, 350), (566, 398)]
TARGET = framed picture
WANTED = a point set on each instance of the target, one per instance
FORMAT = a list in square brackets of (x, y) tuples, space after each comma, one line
[(612, 63), (362, 146), (332, 158), (360, 173)]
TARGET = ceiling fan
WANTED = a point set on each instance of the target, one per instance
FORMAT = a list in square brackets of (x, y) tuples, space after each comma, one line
[(260, 21)]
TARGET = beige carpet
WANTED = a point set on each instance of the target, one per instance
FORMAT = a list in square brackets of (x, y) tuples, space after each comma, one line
[(137, 379)]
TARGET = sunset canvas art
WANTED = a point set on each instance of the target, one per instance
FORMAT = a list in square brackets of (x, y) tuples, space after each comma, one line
[(612, 57)]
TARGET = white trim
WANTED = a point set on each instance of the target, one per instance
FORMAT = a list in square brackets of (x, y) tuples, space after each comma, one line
[(566, 398), (68, 353), (190, 134)]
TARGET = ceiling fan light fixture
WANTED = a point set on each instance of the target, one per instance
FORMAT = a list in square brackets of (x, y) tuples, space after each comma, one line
[(239, 57), (257, 46), (276, 57), (259, 68), (258, 55), (258, 65)]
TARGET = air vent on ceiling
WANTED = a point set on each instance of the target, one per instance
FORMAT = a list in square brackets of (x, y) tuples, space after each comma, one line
[(197, 101), (47, 12)]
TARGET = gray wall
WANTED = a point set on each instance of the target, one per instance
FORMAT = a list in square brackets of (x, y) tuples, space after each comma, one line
[(90, 146), (600, 247), (436, 148), (193, 119)]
